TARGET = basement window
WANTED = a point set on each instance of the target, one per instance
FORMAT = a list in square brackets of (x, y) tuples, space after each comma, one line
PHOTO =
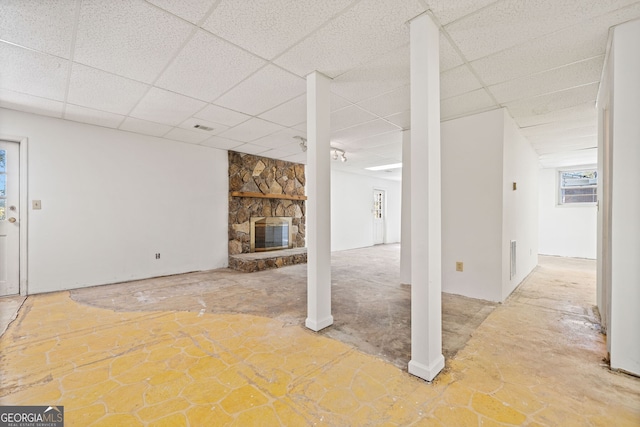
[(578, 187)]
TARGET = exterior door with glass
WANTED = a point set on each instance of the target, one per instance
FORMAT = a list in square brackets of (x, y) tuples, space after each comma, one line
[(9, 218), (379, 215)]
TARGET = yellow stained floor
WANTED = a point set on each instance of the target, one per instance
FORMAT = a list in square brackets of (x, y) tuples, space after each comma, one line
[(534, 361)]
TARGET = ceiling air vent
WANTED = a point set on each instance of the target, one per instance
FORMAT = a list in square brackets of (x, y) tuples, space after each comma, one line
[(203, 127)]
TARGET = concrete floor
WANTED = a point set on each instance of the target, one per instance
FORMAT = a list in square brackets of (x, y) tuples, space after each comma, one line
[(131, 355)]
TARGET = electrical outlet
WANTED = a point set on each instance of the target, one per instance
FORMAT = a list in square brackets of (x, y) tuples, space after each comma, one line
[(459, 266), (158, 255)]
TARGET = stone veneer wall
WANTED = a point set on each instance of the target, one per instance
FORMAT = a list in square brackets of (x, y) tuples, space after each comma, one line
[(248, 173)]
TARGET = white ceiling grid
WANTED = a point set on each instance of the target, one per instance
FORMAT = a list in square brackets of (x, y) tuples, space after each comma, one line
[(160, 67)]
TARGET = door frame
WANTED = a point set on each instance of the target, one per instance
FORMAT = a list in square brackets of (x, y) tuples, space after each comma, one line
[(24, 208), (384, 214)]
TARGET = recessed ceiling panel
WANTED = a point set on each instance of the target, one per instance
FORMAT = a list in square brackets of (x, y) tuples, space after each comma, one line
[(131, 39), (572, 75), (348, 117), (269, 28), (369, 29), (262, 91), (554, 101), (393, 102), (387, 73), (103, 91), (288, 114), (166, 107), (30, 104), (192, 10), (33, 73), (213, 66), (457, 81), (29, 24), (468, 103), (92, 117), (145, 127), (251, 130), (217, 114)]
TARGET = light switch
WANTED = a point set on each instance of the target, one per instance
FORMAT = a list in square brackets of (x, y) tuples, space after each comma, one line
[(459, 266), (36, 204)]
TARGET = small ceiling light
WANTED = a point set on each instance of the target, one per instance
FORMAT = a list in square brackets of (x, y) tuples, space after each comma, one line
[(203, 127), (343, 158), (335, 155), (303, 142)]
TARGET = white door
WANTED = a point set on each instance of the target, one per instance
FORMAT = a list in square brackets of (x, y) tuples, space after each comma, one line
[(379, 215), (9, 218)]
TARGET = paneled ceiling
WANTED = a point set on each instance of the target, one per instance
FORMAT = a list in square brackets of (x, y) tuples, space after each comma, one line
[(161, 67)]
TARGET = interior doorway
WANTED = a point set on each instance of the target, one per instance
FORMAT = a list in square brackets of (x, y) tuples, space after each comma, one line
[(9, 218), (379, 216)]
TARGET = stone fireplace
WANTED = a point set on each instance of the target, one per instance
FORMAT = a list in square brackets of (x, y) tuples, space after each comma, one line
[(267, 202)]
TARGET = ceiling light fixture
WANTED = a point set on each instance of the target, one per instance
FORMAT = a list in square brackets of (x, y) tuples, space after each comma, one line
[(385, 167), (203, 127), (339, 153), (303, 142)]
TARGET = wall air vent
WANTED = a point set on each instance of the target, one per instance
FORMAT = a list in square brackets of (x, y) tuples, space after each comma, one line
[(203, 127)]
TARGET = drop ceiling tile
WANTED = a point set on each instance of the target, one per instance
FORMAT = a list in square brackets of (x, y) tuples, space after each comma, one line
[(32, 73), (288, 114), (262, 91), (192, 122), (103, 91), (376, 140), (585, 111), (276, 154), (250, 149), (551, 146), (221, 143), (338, 102), (508, 23), (30, 104), (401, 119), (166, 107), (185, 135), (302, 127), (449, 58), (131, 39), (28, 23), (567, 134), (572, 75), (291, 148), (576, 43), (369, 29), (554, 101), (457, 81), (393, 102), (280, 139), (467, 103), (192, 10), (269, 28), (145, 127), (217, 114), (573, 158), (363, 131), (92, 117), (553, 127), (381, 75), (212, 65), (447, 11), (297, 158), (251, 130), (348, 117)]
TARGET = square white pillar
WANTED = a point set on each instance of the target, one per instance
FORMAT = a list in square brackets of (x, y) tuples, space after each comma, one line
[(426, 249), (405, 219), (318, 206)]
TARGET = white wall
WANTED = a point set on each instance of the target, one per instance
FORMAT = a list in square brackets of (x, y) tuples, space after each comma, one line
[(568, 231), (482, 155), (351, 205), (620, 93), (112, 199), (472, 205), (519, 207)]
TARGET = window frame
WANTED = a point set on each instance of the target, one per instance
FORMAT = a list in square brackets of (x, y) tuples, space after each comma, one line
[(559, 187)]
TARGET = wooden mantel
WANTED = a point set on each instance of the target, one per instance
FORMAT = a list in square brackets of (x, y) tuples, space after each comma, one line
[(266, 196)]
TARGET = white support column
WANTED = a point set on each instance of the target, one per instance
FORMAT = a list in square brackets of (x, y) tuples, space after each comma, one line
[(405, 237), (426, 269), (318, 207)]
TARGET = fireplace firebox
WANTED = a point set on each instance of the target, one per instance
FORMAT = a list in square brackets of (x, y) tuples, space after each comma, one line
[(271, 233)]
